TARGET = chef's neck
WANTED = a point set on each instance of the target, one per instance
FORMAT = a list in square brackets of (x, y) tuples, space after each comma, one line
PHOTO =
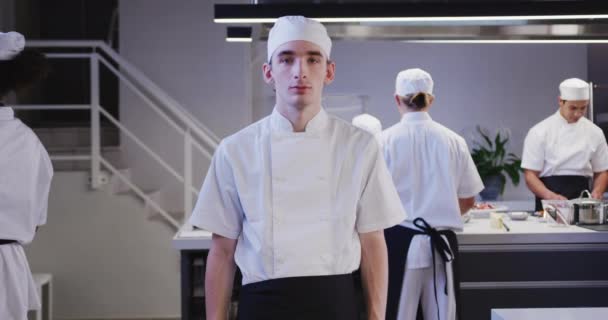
[(299, 116), (405, 110)]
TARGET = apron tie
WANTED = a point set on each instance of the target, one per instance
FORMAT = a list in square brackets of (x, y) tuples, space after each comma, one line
[(439, 244)]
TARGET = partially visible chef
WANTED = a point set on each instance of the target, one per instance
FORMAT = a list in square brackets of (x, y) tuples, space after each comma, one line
[(25, 179), (563, 152), (368, 123), (437, 181)]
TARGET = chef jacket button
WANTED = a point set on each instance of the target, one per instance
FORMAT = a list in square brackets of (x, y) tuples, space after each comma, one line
[(321, 178)]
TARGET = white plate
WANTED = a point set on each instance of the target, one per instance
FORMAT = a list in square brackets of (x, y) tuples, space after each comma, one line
[(485, 213)]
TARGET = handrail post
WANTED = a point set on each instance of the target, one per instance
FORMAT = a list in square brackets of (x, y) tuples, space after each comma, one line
[(95, 125), (187, 174)]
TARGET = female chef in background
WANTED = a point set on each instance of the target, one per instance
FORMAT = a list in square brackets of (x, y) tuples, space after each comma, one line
[(437, 181), (25, 178)]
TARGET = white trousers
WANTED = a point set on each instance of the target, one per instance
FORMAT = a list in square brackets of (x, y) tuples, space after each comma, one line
[(17, 287), (419, 287)]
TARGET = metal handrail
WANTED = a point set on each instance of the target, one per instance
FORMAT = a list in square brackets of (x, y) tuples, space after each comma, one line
[(175, 107), (153, 105), (192, 130), (145, 147)]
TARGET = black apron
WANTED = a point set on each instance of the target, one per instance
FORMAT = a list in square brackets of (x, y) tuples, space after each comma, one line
[(568, 186), (3, 241), (300, 298), (398, 239)]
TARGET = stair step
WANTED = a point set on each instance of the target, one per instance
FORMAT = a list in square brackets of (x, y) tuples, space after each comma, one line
[(70, 137), (116, 185), (113, 154)]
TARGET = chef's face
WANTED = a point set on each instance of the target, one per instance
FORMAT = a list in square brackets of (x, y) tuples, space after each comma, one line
[(572, 110), (298, 71)]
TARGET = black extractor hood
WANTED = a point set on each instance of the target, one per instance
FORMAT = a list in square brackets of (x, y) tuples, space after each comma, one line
[(427, 20)]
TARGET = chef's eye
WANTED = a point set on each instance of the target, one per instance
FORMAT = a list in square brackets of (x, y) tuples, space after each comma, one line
[(314, 60), (287, 60)]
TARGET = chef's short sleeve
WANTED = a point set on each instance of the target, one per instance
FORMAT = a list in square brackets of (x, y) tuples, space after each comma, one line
[(43, 185), (218, 207), (469, 184), (599, 158), (379, 206), (533, 156)]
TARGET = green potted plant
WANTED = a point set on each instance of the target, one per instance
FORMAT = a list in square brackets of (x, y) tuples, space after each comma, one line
[(494, 164)]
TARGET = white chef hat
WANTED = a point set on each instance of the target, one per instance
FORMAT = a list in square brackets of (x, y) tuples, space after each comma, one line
[(11, 43), (368, 123), (291, 28), (574, 89), (412, 81)]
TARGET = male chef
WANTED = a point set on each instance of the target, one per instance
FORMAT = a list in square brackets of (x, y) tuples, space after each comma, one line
[(564, 151), (299, 199)]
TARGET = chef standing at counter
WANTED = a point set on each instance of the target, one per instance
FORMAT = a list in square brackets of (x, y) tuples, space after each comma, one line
[(299, 199), (437, 181), (25, 179), (562, 152)]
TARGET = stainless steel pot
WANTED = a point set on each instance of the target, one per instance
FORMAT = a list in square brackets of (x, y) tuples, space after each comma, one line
[(588, 210)]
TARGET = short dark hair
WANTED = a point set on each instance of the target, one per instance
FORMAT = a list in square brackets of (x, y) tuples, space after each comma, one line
[(22, 71)]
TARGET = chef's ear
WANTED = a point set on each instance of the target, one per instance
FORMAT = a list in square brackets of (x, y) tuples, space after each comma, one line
[(331, 72), (267, 73), (398, 100)]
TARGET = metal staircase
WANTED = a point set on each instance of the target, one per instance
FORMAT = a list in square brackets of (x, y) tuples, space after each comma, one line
[(106, 166)]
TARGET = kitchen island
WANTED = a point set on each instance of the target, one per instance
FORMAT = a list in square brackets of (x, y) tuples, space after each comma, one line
[(534, 265)]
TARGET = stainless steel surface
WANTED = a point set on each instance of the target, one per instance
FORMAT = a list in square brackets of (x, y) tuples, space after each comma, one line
[(588, 210), (532, 285)]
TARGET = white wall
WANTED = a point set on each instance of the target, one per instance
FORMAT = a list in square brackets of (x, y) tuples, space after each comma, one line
[(177, 45), (107, 259), (493, 85)]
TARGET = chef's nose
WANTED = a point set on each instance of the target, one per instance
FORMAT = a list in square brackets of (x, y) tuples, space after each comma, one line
[(299, 69)]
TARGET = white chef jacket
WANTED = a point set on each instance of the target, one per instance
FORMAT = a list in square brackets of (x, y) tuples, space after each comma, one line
[(297, 201), (555, 147), (432, 168), (25, 178)]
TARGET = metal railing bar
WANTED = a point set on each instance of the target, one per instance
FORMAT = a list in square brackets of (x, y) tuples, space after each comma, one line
[(70, 157), (140, 193), (197, 127), (138, 141), (51, 107), (68, 55), (153, 105), (181, 112)]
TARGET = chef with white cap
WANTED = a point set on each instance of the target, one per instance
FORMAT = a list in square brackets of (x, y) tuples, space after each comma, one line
[(299, 199), (562, 152), (437, 181), (25, 178), (368, 123)]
